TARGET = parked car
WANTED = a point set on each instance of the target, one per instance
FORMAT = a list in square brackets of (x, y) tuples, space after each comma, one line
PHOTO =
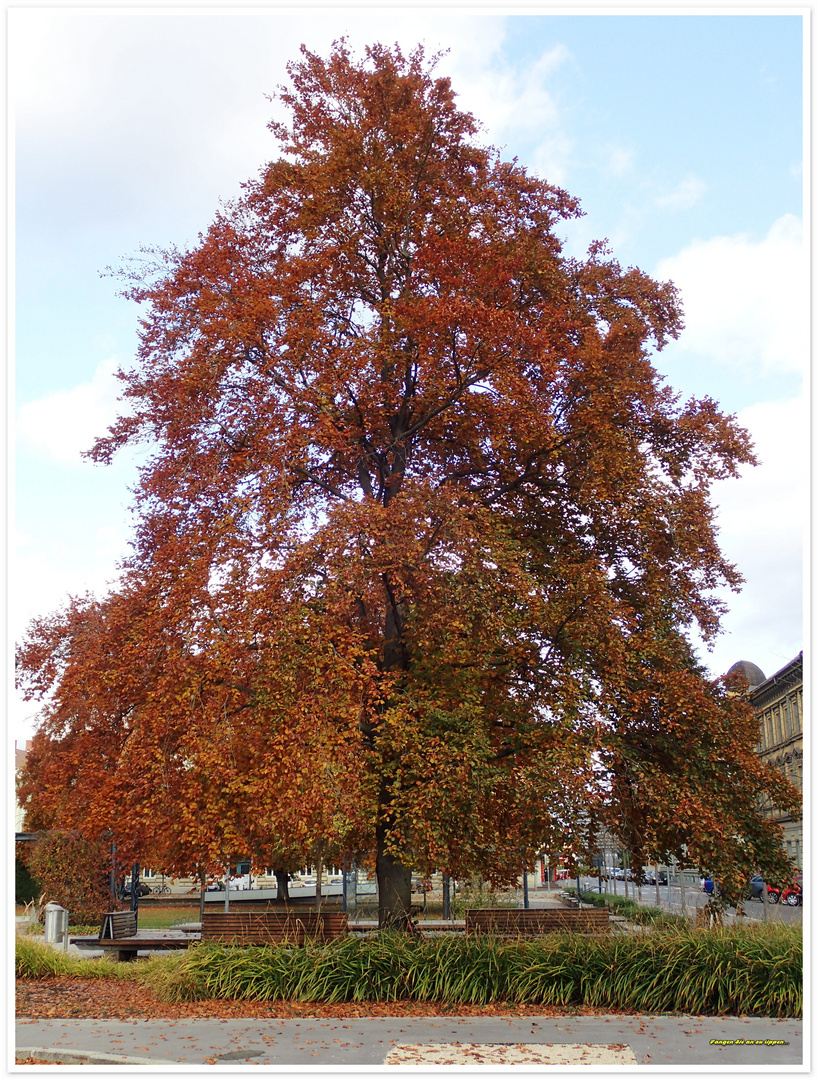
[(125, 890), (755, 887), (791, 895), (215, 886), (756, 890)]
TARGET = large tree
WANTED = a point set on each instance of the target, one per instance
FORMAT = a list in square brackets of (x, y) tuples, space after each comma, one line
[(417, 505)]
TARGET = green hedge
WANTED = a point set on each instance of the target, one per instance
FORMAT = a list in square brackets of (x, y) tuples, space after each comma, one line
[(749, 971), (26, 888), (631, 910)]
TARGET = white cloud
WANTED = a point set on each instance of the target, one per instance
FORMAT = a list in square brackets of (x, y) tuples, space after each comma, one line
[(618, 160), (686, 194), (763, 518), (510, 99), (179, 100), (746, 300), (51, 565), (66, 423)]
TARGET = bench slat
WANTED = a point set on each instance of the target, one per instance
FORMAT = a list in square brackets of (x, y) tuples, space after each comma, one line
[(251, 928), (528, 922), (117, 924)]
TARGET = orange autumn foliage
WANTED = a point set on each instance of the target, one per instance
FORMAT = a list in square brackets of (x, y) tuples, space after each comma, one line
[(417, 506)]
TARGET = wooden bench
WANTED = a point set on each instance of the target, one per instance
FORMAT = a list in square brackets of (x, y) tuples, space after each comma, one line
[(266, 927), (118, 934), (531, 922), (117, 924), (127, 948)]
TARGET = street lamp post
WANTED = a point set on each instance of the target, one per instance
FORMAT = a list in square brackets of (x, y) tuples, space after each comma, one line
[(135, 888)]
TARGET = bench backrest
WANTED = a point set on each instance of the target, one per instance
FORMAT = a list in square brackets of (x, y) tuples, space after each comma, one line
[(263, 927), (531, 921), (117, 925)]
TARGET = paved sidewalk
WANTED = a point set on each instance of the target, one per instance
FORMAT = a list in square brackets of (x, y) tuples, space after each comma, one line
[(602, 1042)]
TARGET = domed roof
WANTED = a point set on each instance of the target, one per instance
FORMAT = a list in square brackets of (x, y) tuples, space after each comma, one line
[(752, 674)]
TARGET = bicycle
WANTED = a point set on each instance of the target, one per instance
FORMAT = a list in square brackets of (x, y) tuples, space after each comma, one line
[(161, 890)]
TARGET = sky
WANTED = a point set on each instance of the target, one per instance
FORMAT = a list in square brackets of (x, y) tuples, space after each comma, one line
[(681, 134)]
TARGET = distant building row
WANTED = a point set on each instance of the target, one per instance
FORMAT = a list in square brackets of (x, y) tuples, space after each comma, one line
[(779, 707)]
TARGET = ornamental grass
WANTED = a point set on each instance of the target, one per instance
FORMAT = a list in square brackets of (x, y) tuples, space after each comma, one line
[(36, 960), (738, 971)]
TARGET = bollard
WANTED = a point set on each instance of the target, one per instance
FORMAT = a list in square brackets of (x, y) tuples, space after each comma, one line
[(56, 923)]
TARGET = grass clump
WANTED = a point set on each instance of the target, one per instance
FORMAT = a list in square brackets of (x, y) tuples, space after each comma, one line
[(746, 971), (36, 960)]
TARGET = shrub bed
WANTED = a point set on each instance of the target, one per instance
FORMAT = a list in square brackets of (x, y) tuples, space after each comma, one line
[(631, 910), (36, 960), (753, 971), (748, 971)]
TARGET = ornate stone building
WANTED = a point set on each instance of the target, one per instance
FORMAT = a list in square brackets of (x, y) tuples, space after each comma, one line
[(779, 708)]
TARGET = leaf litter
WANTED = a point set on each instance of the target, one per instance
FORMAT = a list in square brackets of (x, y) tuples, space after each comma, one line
[(120, 999)]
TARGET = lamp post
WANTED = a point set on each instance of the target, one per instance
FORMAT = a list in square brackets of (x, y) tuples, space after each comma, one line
[(135, 888), (112, 873)]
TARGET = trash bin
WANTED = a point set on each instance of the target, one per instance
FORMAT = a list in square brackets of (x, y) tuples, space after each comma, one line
[(56, 922)]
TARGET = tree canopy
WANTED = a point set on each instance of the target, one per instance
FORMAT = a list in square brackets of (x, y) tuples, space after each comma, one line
[(423, 535)]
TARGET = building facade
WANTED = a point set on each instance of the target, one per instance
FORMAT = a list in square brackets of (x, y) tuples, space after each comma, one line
[(20, 753), (779, 707)]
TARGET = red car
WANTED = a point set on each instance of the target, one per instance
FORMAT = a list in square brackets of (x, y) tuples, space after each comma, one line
[(791, 894)]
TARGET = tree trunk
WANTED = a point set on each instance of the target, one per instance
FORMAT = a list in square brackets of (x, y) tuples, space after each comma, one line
[(282, 886), (394, 889), (394, 879), (319, 870)]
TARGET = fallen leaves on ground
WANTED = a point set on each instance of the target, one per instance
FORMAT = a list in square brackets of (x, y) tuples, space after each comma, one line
[(118, 999)]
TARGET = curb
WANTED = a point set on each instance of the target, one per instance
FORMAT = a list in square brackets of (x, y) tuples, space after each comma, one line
[(91, 1057)]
